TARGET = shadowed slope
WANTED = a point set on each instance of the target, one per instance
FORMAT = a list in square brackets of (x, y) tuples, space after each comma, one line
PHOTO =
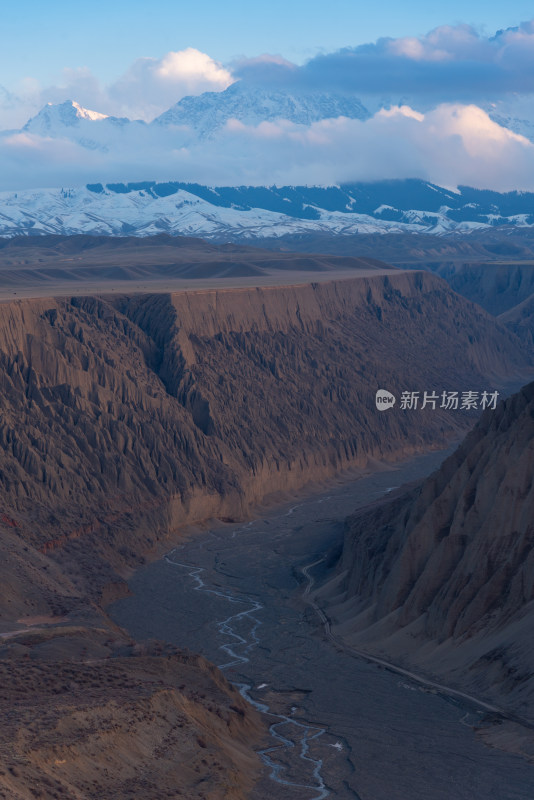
[(444, 576)]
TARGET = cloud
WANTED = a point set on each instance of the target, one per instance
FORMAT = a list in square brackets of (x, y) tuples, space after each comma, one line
[(450, 145), (266, 68), (432, 127), (151, 85), (14, 109), (449, 64), (147, 88)]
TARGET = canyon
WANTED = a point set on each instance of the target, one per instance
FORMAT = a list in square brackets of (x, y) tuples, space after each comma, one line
[(127, 416), (342, 724), (155, 409), (441, 577)]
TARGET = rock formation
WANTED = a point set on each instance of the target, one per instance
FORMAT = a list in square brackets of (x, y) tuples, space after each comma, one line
[(140, 413)]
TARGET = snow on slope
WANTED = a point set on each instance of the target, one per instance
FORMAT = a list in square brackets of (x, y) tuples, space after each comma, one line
[(143, 212), (515, 112), (68, 114), (69, 120), (192, 118), (251, 105)]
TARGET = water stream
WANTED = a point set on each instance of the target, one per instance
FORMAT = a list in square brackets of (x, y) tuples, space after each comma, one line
[(298, 735)]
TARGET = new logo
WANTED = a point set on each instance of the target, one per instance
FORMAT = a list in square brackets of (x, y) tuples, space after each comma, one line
[(384, 400)]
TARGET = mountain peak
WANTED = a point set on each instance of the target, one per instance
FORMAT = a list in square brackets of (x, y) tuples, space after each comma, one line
[(85, 113), (251, 104), (67, 114)]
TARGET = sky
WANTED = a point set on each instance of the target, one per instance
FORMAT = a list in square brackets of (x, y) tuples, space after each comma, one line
[(40, 39), (447, 77)]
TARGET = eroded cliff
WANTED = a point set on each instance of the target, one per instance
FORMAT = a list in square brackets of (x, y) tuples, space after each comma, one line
[(123, 418), (443, 577)]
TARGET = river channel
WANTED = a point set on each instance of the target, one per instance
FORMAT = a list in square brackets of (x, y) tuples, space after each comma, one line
[(341, 726)]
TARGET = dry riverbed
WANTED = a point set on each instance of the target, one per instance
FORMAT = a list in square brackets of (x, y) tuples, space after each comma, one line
[(341, 726)]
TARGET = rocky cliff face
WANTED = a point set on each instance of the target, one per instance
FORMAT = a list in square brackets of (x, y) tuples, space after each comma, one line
[(140, 413), (496, 287), (443, 577), (124, 418)]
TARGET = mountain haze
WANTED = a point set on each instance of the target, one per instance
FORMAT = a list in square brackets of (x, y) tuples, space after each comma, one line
[(280, 133)]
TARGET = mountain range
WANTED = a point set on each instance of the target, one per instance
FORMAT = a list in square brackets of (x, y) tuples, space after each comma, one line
[(207, 113), (249, 213), (237, 212), (195, 118), (202, 117)]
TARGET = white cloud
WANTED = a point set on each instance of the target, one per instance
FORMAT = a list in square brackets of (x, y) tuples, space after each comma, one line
[(152, 85), (147, 88), (193, 67), (450, 145)]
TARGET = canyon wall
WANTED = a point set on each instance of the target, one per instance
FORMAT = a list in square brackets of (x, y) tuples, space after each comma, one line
[(497, 287), (443, 577), (125, 417)]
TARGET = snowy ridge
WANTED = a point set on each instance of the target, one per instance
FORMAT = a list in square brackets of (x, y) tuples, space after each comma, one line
[(69, 120), (251, 105), (248, 213)]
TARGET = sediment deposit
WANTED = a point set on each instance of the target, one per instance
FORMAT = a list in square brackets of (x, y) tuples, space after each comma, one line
[(147, 724)]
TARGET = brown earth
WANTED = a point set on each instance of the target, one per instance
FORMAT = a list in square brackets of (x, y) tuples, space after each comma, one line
[(40, 265), (150, 724), (494, 268), (442, 577), (123, 418)]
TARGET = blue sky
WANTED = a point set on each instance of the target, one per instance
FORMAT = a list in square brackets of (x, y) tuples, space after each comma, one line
[(40, 39)]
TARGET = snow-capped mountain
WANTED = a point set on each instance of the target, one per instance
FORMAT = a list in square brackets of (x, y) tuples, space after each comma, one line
[(62, 115), (249, 213), (200, 118), (209, 112), (69, 120), (192, 119)]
